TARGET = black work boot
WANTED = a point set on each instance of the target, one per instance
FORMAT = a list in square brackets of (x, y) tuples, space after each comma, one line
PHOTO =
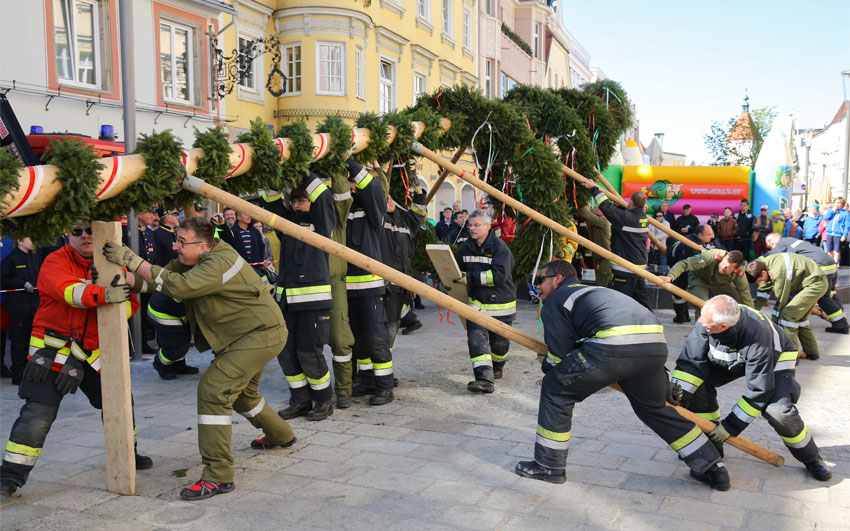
[(835, 330), (381, 398), (534, 470), (362, 389), (295, 411), (680, 315), (143, 462), (343, 401), (412, 328), (818, 469), (180, 367), (165, 371), (7, 487), (498, 369), (480, 386), (716, 477), (321, 411)]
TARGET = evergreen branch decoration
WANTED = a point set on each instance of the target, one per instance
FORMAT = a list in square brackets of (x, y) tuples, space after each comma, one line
[(79, 174), (213, 167), (600, 125), (519, 41), (403, 138), (159, 184), (335, 161), (430, 138), (300, 152), (377, 138), (266, 169), (10, 165), (612, 94)]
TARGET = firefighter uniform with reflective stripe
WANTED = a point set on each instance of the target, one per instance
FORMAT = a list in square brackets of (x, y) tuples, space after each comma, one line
[(705, 278), (18, 269), (305, 295), (596, 337), (676, 253), (759, 351), (66, 320), (829, 303), (400, 226), (488, 269), (797, 283), (366, 310), (167, 315), (629, 233), (230, 310)]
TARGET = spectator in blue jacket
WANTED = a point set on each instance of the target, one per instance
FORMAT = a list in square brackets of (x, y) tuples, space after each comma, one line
[(792, 228), (838, 227), (810, 226)]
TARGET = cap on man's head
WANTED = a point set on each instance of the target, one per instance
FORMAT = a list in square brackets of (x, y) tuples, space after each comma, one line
[(765, 207), (686, 207), (199, 207)]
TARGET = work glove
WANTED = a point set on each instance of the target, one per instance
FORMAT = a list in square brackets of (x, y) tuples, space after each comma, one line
[(39, 364), (354, 168), (674, 393), (70, 376), (718, 435), (121, 255), (117, 291), (93, 274), (461, 279), (28, 287)]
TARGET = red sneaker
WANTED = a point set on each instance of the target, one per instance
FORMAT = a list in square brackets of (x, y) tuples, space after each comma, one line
[(263, 444), (203, 489)]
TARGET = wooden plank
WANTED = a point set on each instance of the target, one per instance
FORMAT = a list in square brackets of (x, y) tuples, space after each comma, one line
[(443, 258), (114, 372)]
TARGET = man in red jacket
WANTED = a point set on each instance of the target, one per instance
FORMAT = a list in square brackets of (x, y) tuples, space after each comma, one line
[(64, 353)]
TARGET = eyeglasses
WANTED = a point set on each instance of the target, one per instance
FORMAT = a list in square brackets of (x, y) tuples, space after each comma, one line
[(77, 231), (184, 243), (540, 278)]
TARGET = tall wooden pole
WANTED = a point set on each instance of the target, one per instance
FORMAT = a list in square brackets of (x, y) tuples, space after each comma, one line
[(543, 220), (443, 174)]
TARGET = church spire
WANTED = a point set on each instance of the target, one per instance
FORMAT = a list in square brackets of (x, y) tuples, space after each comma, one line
[(746, 106)]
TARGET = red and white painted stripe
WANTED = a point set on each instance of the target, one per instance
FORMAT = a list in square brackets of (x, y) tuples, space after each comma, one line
[(36, 179)]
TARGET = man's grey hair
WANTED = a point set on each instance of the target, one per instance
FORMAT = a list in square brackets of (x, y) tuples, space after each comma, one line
[(723, 309), (485, 217), (772, 238)]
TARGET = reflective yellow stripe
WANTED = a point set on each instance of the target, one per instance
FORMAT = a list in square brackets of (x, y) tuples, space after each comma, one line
[(504, 306), (498, 357), (296, 378), (832, 316), (789, 440), (630, 329), (788, 356), (553, 435), (553, 357), (362, 183), (684, 440), (747, 408), (490, 278), (362, 278), (74, 295), (714, 415), (129, 309), (379, 366), (309, 290), (317, 192), (690, 378), (272, 198), (829, 267), (483, 357), (22, 449), (162, 315), (321, 380)]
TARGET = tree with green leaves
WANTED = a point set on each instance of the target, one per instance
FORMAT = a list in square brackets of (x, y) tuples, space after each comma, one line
[(725, 153)]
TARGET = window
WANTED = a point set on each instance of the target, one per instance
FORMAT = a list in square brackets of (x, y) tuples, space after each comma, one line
[(536, 48), (331, 57), (248, 80), (76, 35), (420, 85), (502, 84), (467, 29), (175, 58), (489, 7), (359, 73), (447, 17), (423, 9), (292, 56), (386, 95), (488, 78)]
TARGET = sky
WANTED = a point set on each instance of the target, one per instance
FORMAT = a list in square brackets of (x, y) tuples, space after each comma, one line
[(685, 64)]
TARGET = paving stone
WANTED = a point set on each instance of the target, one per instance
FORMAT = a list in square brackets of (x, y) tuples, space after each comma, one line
[(689, 509), (759, 501), (629, 450), (324, 438), (383, 432), (392, 463), (396, 503), (586, 513), (434, 437), (796, 490), (524, 522), (330, 454), (511, 500), (635, 520), (487, 432), (320, 470), (381, 446), (394, 481), (438, 470), (595, 476), (649, 467), (472, 517), (770, 520), (455, 491)]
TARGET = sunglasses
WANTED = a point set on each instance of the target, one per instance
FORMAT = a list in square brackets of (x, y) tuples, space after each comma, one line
[(540, 278), (77, 232)]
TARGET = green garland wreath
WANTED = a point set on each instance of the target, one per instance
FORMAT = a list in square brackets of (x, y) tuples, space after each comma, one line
[(602, 130), (377, 138), (616, 101), (400, 146), (300, 152), (430, 137), (10, 165), (159, 183), (79, 173), (334, 163), (266, 170), (213, 167)]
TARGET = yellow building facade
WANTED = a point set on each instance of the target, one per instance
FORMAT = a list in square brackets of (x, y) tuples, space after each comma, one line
[(346, 57)]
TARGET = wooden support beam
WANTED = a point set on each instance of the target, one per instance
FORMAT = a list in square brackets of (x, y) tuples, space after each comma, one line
[(443, 174), (115, 371)]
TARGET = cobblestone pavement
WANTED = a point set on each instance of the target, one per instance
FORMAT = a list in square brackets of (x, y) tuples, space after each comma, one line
[(437, 458)]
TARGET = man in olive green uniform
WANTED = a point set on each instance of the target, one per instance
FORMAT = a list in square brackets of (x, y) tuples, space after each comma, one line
[(231, 311), (600, 234), (797, 282), (341, 339), (714, 271)]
